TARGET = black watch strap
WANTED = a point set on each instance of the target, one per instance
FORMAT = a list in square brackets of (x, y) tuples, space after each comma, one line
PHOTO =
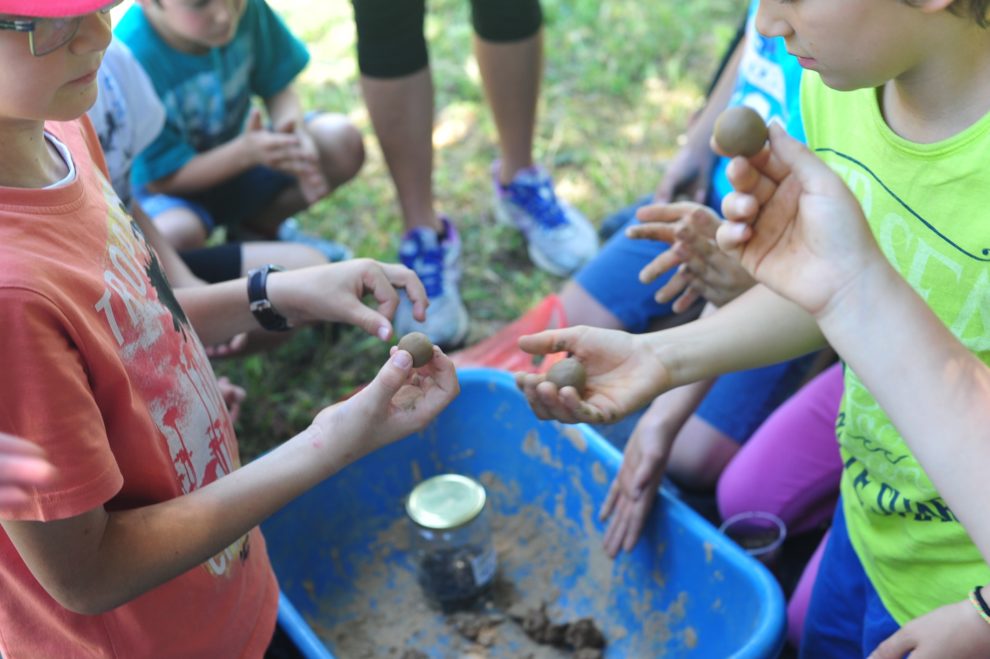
[(262, 308)]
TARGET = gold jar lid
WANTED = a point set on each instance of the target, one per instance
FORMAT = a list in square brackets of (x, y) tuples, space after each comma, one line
[(446, 501)]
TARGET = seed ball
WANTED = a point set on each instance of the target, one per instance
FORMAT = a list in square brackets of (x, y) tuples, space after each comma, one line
[(419, 346), (568, 373), (740, 131)]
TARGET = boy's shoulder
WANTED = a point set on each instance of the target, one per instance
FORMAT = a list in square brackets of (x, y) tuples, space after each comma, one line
[(137, 33)]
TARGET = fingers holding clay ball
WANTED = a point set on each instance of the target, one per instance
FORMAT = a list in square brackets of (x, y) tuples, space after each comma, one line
[(568, 372), (740, 131), (419, 346)]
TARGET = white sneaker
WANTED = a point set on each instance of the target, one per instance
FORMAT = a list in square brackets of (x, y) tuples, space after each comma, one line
[(561, 239), (437, 262)]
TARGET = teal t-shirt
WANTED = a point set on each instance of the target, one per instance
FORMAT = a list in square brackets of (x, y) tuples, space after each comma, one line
[(929, 207), (207, 96)]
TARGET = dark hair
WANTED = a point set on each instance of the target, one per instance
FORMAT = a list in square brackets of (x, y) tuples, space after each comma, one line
[(976, 9)]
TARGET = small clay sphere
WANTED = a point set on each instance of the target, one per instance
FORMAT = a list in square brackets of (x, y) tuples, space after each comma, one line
[(568, 373), (740, 131), (419, 346)]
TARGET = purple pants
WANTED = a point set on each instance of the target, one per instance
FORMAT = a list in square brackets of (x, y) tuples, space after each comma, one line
[(791, 467)]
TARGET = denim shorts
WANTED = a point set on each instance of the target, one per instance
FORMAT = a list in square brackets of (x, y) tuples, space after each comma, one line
[(612, 277), (845, 615), (231, 204)]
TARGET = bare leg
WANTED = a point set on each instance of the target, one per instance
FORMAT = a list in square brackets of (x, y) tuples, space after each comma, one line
[(511, 73), (341, 157), (401, 111), (340, 145), (581, 308), (289, 255), (181, 228), (700, 454)]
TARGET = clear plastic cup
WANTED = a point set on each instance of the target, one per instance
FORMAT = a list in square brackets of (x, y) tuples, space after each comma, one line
[(759, 533)]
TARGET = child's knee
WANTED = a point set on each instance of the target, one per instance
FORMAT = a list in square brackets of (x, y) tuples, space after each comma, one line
[(341, 147), (181, 228), (294, 256)]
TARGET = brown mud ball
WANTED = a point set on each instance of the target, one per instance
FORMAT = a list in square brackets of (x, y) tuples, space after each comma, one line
[(568, 373), (740, 131), (419, 346)]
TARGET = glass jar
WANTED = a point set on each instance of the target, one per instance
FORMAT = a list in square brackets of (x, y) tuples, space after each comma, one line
[(451, 542)]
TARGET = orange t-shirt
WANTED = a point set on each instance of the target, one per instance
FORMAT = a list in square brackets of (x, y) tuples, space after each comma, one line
[(103, 370)]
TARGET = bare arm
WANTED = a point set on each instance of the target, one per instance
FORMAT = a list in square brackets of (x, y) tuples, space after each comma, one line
[(326, 293), (627, 371), (284, 108), (98, 560), (280, 150), (935, 391), (208, 169)]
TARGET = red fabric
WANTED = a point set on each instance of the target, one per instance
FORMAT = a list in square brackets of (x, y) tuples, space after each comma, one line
[(51, 8), (104, 371), (501, 350)]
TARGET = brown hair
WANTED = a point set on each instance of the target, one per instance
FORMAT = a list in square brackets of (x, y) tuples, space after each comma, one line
[(976, 9)]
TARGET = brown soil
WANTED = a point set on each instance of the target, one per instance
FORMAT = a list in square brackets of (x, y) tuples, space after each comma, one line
[(523, 617)]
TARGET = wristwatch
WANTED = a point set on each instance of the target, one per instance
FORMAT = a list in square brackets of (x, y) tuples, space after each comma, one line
[(262, 308)]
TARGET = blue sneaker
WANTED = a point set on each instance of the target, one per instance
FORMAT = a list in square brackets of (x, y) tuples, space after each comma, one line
[(290, 232), (561, 239), (437, 262)]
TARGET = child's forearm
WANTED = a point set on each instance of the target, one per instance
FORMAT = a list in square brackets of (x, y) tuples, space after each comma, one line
[(934, 390), (218, 311), (284, 107), (207, 170), (100, 560), (756, 329)]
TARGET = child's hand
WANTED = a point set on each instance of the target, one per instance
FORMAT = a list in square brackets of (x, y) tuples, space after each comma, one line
[(955, 630), (704, 270), (22, 465), (399, 401), (308, 171), (336, 292), (233, 397), (279, 151), (634, 490), (687, 175), (795, 225), (623, 375)]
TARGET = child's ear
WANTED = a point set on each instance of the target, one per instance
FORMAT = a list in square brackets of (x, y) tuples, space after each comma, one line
[(932, 6)]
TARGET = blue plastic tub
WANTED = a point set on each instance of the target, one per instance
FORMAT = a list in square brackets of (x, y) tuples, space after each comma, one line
[(339, 551)]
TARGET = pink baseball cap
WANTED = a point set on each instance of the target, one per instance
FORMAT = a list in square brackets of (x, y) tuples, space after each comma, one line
[(52, 8)]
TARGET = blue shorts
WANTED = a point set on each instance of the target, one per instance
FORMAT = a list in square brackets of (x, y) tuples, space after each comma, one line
[(845, 615), (231, 204), (738, 402), (612, 277)]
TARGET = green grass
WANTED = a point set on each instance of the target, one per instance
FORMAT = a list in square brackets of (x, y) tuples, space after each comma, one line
[(621, 81)]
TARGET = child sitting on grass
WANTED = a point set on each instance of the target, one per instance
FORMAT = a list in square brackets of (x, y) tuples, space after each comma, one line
[(217, 162)]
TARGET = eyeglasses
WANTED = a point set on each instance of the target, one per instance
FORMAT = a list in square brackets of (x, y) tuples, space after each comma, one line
[(46, 35)]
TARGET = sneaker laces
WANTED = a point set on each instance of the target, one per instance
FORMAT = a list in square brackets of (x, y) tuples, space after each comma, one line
[(539, 200), (426, 260)]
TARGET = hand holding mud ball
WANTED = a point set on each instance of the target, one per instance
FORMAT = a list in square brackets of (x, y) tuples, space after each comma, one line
[(740, 131), (419, 346), (568, 373)]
